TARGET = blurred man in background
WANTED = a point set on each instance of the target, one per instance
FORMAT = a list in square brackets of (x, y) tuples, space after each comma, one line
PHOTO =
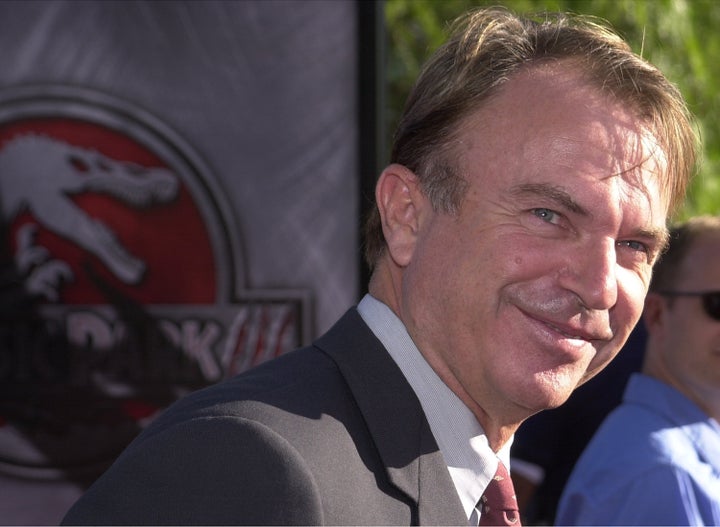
[(656, 459)]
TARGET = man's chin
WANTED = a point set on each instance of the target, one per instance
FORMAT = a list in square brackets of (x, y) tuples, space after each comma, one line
[(591, 374), (545, 401), (555, 386)]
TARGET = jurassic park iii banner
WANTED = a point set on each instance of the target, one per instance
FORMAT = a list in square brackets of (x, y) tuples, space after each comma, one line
[(178, 202)]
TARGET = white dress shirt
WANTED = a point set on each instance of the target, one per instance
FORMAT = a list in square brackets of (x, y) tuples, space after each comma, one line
[(462, 441)]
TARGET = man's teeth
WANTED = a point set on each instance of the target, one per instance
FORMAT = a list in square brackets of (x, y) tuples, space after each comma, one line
[(563, 333)]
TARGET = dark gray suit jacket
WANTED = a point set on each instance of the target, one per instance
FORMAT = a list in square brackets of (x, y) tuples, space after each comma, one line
[(329, 434)]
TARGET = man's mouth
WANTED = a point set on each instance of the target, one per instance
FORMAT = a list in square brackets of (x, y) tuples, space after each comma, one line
[(565, 333)]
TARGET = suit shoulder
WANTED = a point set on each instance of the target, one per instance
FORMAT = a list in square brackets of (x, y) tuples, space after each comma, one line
[(304, 382), (210, 470)]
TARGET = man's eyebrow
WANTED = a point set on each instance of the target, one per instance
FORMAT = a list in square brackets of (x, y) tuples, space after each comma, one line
[(660, 236), (551, 192)]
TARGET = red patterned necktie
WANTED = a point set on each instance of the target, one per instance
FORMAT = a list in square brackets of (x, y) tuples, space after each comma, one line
[(498, 504)]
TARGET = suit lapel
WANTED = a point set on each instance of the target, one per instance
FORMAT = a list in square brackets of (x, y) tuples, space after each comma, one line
[(395, 419)]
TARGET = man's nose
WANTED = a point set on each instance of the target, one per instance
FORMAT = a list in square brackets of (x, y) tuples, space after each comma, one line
[(591, 274)]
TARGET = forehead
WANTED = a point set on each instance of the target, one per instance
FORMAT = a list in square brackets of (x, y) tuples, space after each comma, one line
[(548, 121)]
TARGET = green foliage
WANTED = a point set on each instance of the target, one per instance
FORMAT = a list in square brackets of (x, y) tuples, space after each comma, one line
[(679, 36)]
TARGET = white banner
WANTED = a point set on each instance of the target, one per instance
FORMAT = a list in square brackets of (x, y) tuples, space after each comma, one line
[(179, 201)]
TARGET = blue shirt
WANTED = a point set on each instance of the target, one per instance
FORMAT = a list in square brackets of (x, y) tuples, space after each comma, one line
[(655, 460)]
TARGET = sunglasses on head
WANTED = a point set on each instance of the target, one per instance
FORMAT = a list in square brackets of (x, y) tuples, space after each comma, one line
[(710, 301)]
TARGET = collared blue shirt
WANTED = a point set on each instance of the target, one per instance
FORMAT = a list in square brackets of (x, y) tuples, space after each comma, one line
[(655, 460)]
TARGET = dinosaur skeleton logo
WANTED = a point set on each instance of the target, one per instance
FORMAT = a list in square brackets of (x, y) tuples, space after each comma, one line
[(40, 173), (122, 280)]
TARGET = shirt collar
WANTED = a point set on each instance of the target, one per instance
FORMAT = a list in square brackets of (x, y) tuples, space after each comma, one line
[(462, 441)]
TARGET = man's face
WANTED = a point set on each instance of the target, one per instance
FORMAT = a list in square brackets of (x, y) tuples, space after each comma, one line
[(688, 352), (536, 283)]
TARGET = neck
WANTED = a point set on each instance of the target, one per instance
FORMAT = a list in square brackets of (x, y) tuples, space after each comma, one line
[(385, 286)]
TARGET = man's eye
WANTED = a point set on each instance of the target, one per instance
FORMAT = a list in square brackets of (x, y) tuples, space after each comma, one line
[(547, 215), (640, 250), (635, 245)]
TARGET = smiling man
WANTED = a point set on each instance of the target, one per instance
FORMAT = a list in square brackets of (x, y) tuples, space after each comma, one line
[(534, 284), (512, 244)]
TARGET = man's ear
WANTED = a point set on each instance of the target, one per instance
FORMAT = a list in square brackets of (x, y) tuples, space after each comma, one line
[(654, 312), (399, 201)]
